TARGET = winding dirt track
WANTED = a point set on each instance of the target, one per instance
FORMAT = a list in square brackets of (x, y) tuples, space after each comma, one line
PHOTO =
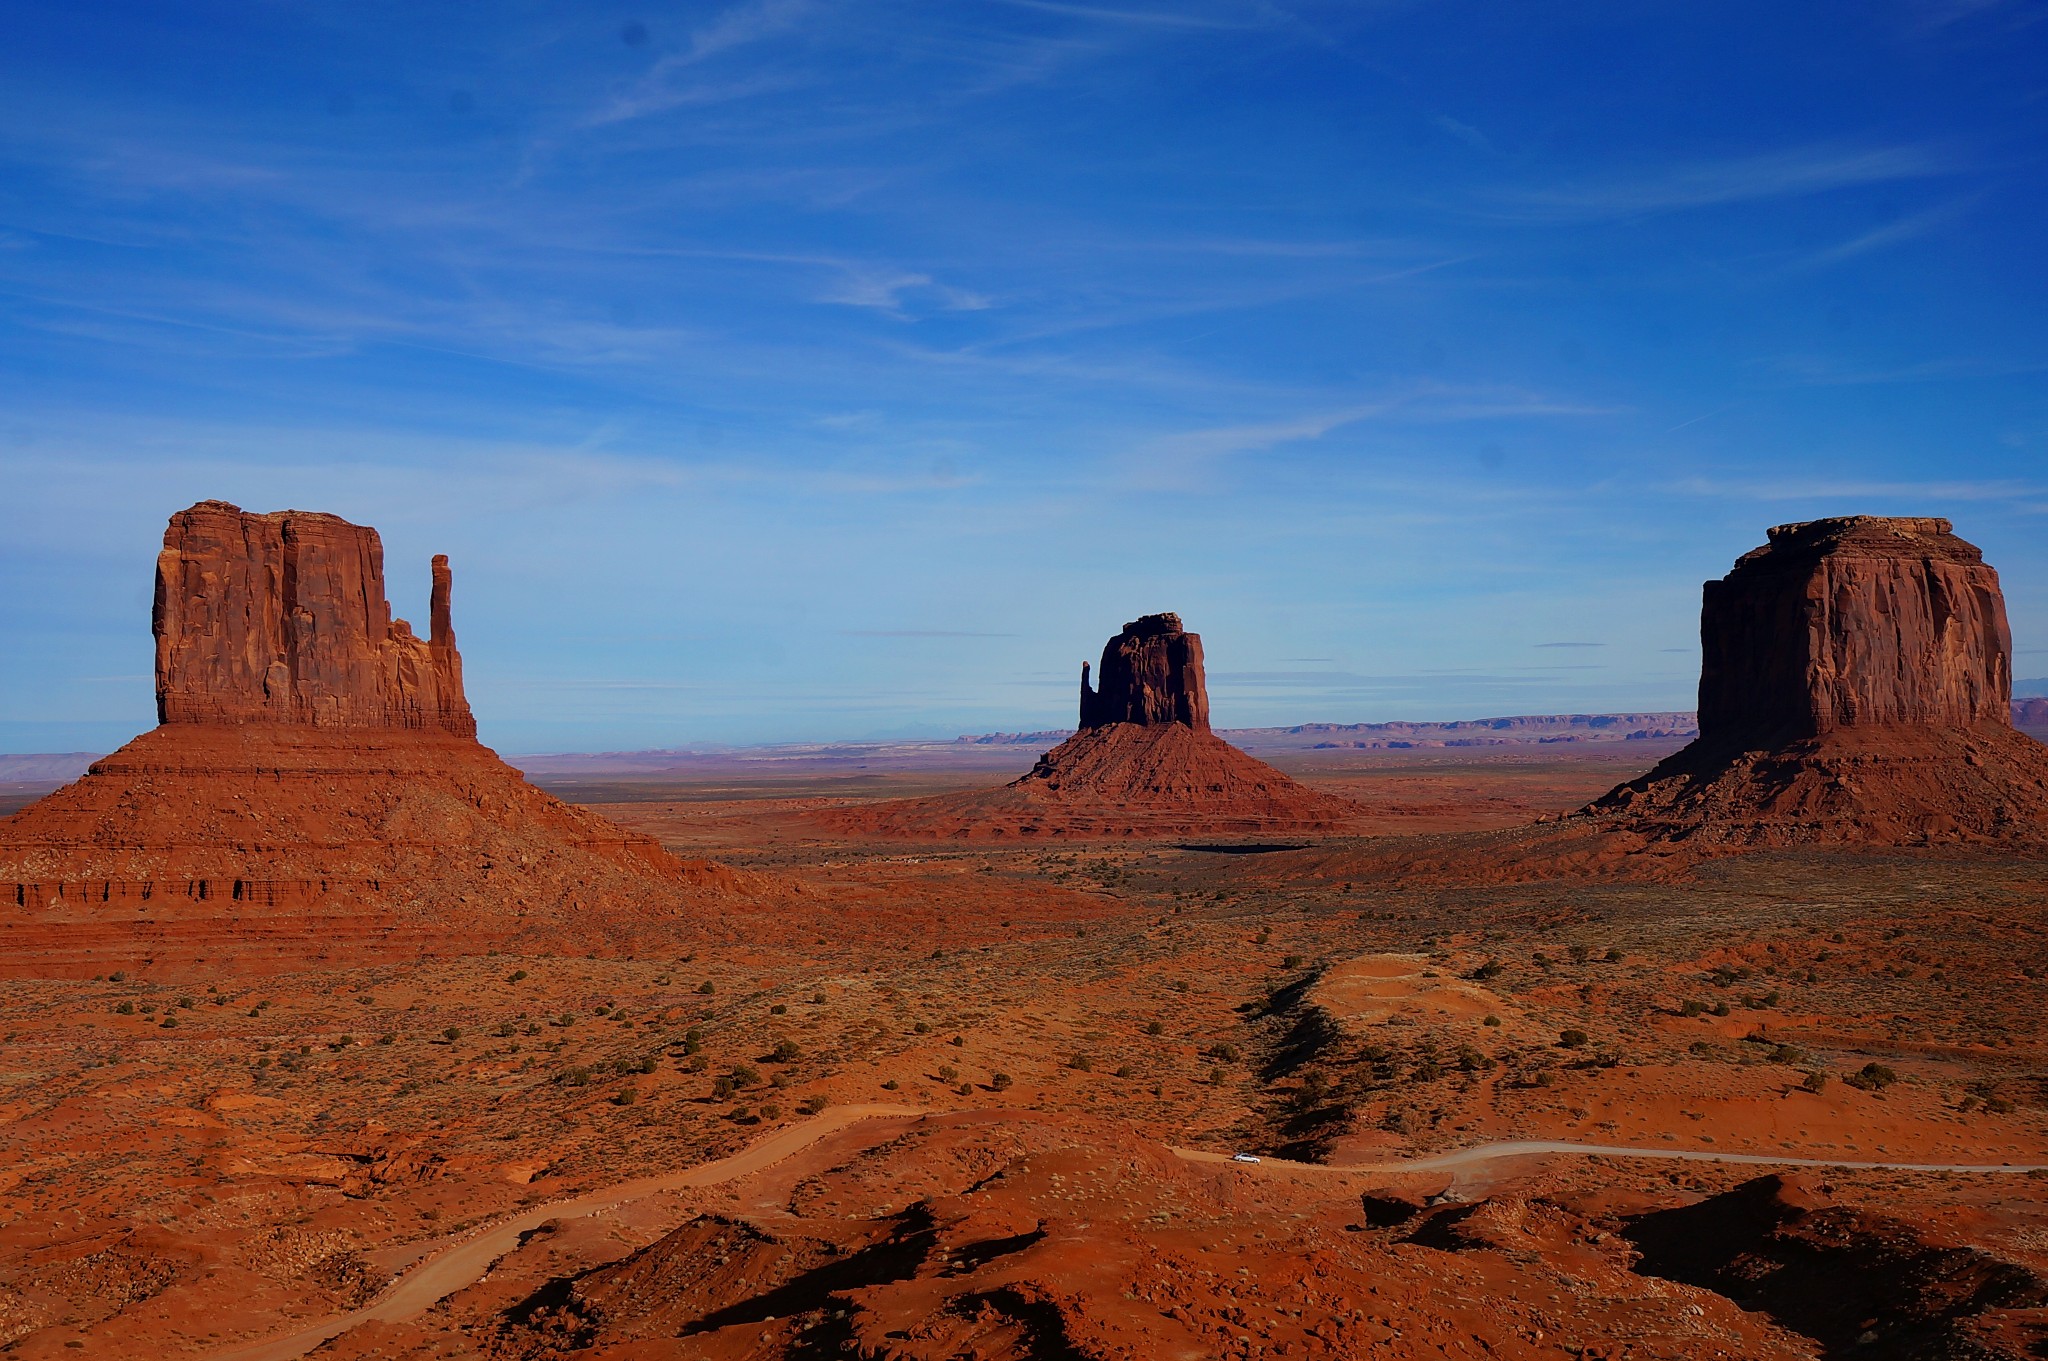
[(464, 1260), (1526, 1148), (461, 1261)]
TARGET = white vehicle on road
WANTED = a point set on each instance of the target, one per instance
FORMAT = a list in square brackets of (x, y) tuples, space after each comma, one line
[(1244, 1157)]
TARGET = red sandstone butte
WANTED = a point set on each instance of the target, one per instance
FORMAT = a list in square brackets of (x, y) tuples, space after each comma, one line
[(1151, 674), (281, 618), (1855, 686), (315, 785), (1143, 763)]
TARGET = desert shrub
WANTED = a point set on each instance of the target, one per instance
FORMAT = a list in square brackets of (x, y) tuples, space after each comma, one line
[(812, 1105), (948, 1073), (170, 1022), (625, 1096), (1123, 1070), (891, 1085), (1000, 1082), (1580, 953), (577, 1076), (1692, 1008), (1814, 1081), (744, 1075), (922, 1028), (452, 1033), (818, 999), (958, 1041), (697, 1063), (1613, 956), (1872, 1077), (1492, 968), (786, 1051), (1720, 1008), (722, 1088), (1222, 1052), (779, 1009), (706, 988), (128, 1009), (1081, 1063), (1493, 1021), (516, 976), (1573, 1039), (187, 1003), (344, 1041), (1155, 1027), (771, 1112), (1290, 961), (388, 1037)]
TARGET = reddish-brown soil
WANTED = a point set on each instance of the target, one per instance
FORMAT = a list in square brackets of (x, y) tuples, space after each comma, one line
[(194, 1159)]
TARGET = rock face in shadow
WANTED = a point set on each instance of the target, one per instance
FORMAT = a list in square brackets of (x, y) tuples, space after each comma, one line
[(315, 789), (1855, 622), (1143, 763), (281, 618), (1855, 689), (1151, 674)]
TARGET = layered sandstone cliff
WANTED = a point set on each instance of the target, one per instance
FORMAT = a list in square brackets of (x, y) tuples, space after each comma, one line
[(315, 786), (1855, 688)]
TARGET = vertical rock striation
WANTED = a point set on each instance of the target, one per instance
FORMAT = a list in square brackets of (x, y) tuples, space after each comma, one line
[(1857, 621), (1151, 674), (282, 618)]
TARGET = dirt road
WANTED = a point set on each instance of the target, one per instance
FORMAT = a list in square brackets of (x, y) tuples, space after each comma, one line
[(448, 1267), (1525, 1148)]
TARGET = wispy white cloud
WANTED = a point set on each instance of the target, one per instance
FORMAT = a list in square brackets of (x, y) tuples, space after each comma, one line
[(1793, 172), (1897, 232), (666, 85), (894, 292), (1850, 489), (1148, 18), (1811, 370)]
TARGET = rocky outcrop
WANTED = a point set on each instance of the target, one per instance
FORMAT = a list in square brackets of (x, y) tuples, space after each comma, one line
[(1857, 621), (1855, 689), (282, 618), (1143, 763), (315, 790), (1151, 674)]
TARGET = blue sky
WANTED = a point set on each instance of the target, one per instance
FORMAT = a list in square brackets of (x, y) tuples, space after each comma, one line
[(790, 369)]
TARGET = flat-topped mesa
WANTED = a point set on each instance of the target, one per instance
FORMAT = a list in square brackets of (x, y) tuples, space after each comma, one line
[(282, 618), (1151, 674), (1853, 622)]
